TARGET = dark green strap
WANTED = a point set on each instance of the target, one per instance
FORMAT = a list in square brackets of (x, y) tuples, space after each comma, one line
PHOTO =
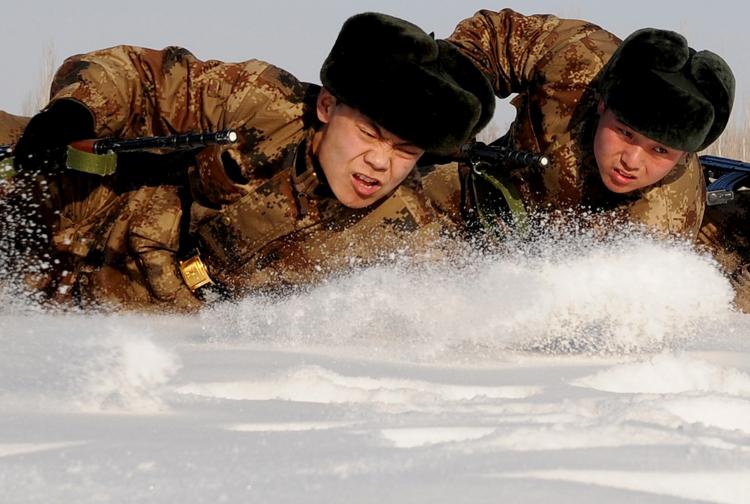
[(502, 190)]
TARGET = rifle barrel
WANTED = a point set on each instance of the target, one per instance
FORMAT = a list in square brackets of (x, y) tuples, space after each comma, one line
[(480, 152), (171, 142)]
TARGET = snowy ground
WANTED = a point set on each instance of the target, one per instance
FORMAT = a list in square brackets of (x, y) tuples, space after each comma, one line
[(598, 374)]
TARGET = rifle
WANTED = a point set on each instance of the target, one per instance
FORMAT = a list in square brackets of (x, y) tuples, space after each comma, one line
[(99, 156), (725, 176), (728, 176), (496, 195), (477, 153)]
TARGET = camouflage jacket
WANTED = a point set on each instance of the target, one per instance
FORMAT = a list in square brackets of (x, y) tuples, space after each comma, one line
[(257, 212), (11, 127), (551, 64)]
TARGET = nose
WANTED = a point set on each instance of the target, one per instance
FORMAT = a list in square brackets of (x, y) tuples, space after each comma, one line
[(378, 157), (632, 157)]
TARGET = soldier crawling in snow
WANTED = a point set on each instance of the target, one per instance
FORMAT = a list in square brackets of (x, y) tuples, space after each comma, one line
[(620, 123), (321, 176), (621, 137)]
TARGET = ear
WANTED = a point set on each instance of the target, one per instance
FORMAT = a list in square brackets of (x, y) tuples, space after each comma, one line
[(325, 105)]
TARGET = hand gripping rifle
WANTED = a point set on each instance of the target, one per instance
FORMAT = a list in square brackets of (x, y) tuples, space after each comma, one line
[(494, 193), (726, 176), (99, 156)]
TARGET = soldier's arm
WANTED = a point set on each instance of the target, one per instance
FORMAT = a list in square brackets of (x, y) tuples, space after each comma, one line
[(676, 204), (121, 91), (692, 205), (170, 90), (154, 239), (130, 91), (269, 108), (548, 60)]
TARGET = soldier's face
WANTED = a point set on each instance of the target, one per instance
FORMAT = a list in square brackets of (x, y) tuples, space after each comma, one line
[(628, 160), (361, 161)]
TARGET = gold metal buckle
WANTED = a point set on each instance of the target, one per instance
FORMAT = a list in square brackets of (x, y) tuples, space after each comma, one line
[(195, 273)]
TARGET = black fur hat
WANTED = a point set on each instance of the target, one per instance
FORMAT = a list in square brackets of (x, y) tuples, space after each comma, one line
[(667, 91), (421, 89)]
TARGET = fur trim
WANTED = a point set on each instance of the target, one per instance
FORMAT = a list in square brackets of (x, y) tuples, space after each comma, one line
[(667, 91), (421, 89)]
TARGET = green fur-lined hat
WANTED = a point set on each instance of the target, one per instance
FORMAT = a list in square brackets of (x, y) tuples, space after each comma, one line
[(421, 89), (667, 91)]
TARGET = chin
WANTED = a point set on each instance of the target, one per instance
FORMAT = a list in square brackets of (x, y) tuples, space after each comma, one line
[(356, 205), (620, 189), (617, 189), (355, 202)]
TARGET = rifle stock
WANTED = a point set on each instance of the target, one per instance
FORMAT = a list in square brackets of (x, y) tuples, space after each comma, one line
[(728, 176)]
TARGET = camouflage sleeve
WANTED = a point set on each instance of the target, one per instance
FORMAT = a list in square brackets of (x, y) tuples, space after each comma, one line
[(548, 60), (266, 106), (108, 83), (676, 204), (154, 238), (134, 91)]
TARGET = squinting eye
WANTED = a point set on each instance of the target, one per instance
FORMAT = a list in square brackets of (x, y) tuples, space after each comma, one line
[(625, 132), (409, 153), (661, 150), (367, 132)]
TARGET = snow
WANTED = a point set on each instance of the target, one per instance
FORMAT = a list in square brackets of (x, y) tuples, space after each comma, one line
[(576, 372)]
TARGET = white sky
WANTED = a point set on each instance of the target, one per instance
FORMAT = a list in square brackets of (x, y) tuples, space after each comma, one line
[(297, 34)]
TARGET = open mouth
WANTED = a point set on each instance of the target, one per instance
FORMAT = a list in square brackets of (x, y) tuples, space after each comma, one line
[(624, 175), (364, 185)]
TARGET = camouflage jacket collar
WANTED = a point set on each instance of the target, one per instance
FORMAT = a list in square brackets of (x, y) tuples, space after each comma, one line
[(307, 176)]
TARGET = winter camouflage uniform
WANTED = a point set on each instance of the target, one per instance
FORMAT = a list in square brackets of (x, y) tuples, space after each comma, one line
[(551, 64), (257, 212)]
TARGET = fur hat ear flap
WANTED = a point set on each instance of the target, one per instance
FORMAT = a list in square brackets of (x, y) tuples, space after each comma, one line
[(712, 75), (469, 77)]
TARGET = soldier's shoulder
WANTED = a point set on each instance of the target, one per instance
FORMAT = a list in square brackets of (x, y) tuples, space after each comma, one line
[(11, 127), (276, 79)]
